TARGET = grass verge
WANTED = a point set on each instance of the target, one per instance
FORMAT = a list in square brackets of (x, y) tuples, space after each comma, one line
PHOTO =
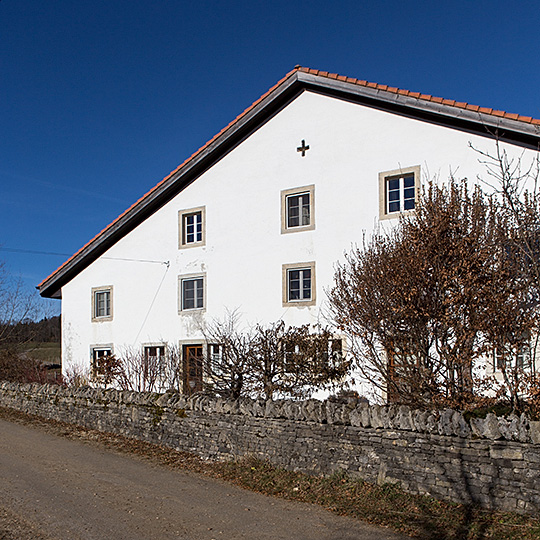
[(387, 505)]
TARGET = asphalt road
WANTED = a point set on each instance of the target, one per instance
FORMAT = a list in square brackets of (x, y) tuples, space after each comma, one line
[(54, 488)]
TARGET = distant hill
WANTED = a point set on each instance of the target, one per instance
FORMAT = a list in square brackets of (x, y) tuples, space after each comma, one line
[(45, 331)]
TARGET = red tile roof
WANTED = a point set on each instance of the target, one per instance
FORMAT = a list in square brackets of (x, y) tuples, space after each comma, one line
[(318, 73), (425, 97)]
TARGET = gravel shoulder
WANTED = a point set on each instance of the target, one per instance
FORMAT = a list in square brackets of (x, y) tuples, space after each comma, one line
[(85, 485)]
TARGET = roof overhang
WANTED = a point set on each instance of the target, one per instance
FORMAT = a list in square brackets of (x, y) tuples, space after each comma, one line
[(504, 127)]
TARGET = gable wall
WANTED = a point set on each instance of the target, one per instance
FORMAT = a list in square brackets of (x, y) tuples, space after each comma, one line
[(244, 252)]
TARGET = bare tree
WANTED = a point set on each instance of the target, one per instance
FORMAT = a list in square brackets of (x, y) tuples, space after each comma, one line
[(516, 182), (16, 305)]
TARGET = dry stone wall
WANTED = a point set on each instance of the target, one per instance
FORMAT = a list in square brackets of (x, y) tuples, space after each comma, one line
[(494, 461)]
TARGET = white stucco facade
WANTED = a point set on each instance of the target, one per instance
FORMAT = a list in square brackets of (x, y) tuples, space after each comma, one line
[(245, 250)]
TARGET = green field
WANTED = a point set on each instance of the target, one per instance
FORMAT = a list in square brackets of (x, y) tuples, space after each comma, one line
[(49, 353)]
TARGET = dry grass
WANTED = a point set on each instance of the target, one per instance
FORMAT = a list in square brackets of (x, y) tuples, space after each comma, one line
[(387, 505), (44, 352)]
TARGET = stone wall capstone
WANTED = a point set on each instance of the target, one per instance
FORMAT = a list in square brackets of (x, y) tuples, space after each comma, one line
[(492, 461)]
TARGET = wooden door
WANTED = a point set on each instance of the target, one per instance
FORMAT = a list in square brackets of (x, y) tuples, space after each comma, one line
[(192, 368)]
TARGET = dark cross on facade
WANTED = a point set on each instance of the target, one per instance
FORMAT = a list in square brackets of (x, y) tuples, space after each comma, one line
[(303, 148)]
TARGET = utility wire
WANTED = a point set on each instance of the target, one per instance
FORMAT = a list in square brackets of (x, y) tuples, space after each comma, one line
[(136, 260), (15, 250), (152, 303)]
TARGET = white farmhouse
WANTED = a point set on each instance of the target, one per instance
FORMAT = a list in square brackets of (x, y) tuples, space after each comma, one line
[(256, 219)]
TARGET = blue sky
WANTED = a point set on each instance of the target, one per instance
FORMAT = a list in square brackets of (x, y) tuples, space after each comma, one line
[(100, 100)]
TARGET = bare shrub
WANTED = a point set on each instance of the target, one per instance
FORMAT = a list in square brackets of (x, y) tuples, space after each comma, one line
[(76, 376), (294, 361), (137, 372), (228, 364), (170, 369), (272, 360), (19, 367), (106, 370)]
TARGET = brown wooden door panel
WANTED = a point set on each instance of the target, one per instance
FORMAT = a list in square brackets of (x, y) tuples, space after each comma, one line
[(192, 368)]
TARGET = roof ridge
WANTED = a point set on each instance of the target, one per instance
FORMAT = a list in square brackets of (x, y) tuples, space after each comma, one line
[(423, 97)]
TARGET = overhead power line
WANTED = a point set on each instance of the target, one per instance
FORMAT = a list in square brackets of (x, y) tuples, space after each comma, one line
[(16, 250), (34, 252)]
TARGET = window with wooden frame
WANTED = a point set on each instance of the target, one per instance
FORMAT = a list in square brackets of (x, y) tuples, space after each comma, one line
[(215, 352), (513, 358), (298, 209), (398, 191), (192, 295), (192, 227), (154, 351), (99, 354), (102, 304), (299, 284)]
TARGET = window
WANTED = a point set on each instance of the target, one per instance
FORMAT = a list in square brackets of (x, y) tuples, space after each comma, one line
[(100, 354), (191, 226), (102, 304), (398, 191), (153, 369), (154, 351), (215, 353), (297, 209), (332, 354), (318, 350), (336, 349), (192, 293), (513, 358), (298, 284)]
